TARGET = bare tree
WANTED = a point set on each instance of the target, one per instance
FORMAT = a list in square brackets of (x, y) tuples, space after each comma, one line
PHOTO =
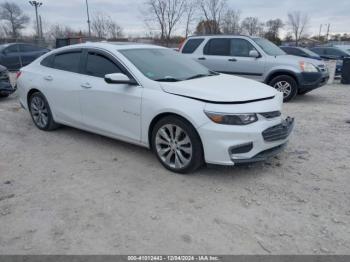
[(298, 23), (103, 26), (205, 27), (212, 10), (114, 30), (252, 26), (99, 25), (166, 15), (58, 31), (230, 22), (273, 29), (14, 18), (190, 11)]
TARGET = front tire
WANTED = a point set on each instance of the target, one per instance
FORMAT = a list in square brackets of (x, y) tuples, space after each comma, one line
[(177, 145), (41, 113), (287, 85)]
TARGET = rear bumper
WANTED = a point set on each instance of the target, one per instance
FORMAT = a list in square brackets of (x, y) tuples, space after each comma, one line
[(311, 81), (6, 88)]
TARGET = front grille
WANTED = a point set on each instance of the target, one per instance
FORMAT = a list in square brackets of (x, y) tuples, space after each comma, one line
[(270, 115), (279, 132)]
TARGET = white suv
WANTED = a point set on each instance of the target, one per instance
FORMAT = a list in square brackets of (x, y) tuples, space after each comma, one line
[(258, 59)]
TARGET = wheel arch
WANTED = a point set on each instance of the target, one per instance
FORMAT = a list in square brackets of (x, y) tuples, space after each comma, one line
[(166, 114), (30, 93), (276, 73)]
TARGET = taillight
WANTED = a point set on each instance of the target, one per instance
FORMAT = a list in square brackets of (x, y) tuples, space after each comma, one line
[(18, 74)]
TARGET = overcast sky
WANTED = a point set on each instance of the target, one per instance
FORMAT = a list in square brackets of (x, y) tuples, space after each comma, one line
[(128, 13)]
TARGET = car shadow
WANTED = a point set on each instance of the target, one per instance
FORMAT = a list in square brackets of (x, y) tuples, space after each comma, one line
[(145, 155)]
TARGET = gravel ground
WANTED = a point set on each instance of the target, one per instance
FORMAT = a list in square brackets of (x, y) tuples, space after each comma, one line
[(72, 192)]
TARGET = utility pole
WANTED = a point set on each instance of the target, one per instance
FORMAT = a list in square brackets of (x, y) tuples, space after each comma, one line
[(88, 17), (319, 35), (41, 27), (36, 5), (329, 25)]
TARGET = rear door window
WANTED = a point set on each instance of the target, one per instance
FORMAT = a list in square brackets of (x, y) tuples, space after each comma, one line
[(29, 48), (334, 52), (12, 49), (191, 45), (67, 61), (99, 65), (218, 46), (319, 51)]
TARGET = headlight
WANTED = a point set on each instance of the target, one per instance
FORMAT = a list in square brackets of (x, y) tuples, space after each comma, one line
[(232, 119), (308, 67)]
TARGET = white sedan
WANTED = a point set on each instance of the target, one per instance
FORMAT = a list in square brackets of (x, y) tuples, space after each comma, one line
[(156, 98)]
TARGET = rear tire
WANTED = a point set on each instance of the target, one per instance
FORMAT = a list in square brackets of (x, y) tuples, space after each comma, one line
[(41, 113), (287, 85), (177, 145)]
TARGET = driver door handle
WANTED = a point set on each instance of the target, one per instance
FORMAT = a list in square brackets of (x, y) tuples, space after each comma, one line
[(86, 85), (202, 58), (48, 78), (232, 60)]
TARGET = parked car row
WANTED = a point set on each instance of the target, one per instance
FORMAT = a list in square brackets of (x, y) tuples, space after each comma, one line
[(16, 55), (337, 53), (12, 57)]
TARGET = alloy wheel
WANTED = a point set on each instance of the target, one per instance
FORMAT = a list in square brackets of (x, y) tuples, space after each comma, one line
[(173, 146), (39, 111), (284, 87)]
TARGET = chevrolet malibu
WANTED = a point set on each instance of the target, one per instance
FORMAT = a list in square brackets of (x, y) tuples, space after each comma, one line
[(156, 98)]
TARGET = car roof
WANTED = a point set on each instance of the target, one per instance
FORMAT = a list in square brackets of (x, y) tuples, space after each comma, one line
[(111, 46), (220, 36)]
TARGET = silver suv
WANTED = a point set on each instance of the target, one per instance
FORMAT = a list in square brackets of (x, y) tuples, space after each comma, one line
[(258, 59)]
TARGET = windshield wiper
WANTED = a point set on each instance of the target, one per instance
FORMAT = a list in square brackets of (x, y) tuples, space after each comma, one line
[(202, 75), (167, 79)]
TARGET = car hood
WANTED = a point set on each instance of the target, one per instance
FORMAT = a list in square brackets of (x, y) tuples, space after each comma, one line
[(291, 59), (221, 89)]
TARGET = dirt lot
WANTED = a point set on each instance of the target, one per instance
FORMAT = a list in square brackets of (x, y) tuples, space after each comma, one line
[(72, 192)]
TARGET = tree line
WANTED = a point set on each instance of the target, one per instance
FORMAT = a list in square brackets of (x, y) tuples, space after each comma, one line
[(166, 18), (216, 17), (13, 21)]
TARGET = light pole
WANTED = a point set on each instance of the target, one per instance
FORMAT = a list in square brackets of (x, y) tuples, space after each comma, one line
[(88, 17), (36, 4)]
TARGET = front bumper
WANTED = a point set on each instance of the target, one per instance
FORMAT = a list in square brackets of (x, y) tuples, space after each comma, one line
[(257, 142), (311, 81)]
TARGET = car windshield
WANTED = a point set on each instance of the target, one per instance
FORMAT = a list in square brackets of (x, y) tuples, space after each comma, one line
[(269, 47), (165, 65)]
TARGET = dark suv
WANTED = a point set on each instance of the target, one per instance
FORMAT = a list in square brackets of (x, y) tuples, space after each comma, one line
[(16, 55)]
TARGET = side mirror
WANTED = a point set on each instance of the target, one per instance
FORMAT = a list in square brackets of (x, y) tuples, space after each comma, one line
[(254, 53), (119, 78)]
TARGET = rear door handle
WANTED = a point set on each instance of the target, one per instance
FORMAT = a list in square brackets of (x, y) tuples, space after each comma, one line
[(86, 85), (232, 60), (202, 58), (48, 78)]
